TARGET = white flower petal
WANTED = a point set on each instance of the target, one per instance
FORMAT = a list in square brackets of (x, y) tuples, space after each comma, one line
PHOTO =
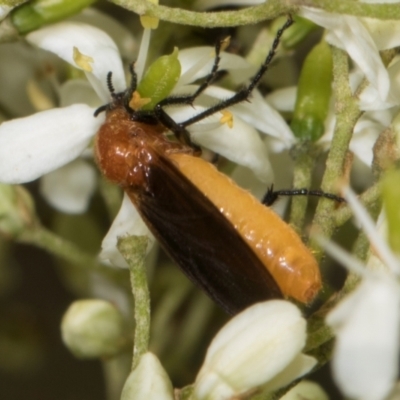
[(127, 222), (241, 143), (301, 365), (197, 62), (121, 35), (386, 34), (251, 349), (266, 119), (33, 146), (363, 141), (61, 38), (348, 33), (365, 361), (148, 381), (69, 188)]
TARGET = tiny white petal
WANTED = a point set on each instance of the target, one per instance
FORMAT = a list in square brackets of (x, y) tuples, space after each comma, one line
[(363, 141), (256, 112), (148, 381), (386, 34), (265, 118), (197, 62), (33, 146), (253, 348), (61, 38), (241, 143), (69, 188), (367, 338), (127, 222)]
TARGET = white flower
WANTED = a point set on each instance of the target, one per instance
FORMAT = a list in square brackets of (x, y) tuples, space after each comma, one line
[(148, 381), (259, 347), (362, 39), (367, 321)]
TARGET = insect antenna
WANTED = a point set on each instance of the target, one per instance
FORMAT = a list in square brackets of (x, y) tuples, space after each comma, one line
[(111, 89)]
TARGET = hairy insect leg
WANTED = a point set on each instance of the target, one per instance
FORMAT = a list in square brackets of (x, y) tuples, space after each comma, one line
[(177, 128), (272, 195), (189, 99), (244, 93)]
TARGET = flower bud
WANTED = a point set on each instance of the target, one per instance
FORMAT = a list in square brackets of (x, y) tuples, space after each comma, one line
[(148, 381), (16, 210), (33, 14), (93, 328), (259, 346), (314, 94), (159, 79)]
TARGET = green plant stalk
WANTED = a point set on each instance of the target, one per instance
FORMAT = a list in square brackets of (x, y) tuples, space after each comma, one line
[(57, 246), (305, 155), (133, 249), (249, 15), (347, 114), (255, 14)]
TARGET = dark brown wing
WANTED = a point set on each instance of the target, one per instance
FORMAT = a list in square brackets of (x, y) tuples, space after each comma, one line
[(201, 240)]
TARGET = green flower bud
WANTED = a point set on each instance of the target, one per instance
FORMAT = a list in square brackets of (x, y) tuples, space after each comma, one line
[(93, 328), (159, 79), (17, 211), (314, 94), (36, 13), (391, 200), (148, 381)]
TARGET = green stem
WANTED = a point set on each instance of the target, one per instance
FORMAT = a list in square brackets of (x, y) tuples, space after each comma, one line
[(252, 15), (56, 245), (347, 114), (305, 156), (249, 15), (133, 249)]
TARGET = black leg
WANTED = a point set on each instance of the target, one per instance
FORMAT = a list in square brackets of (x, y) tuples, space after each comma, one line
[(189, 99), (271, 196), (245, 93)]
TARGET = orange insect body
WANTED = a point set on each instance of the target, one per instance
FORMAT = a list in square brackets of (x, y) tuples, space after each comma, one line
[(128, 152), (276, 244)]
